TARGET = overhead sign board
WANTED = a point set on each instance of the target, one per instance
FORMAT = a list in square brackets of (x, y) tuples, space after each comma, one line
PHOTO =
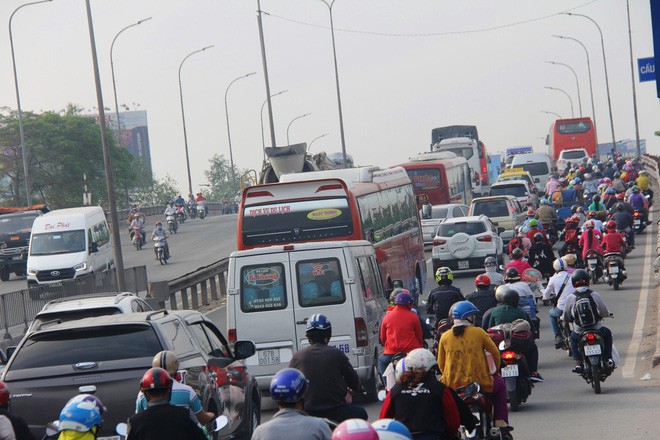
[(646, 69), (655, 21)]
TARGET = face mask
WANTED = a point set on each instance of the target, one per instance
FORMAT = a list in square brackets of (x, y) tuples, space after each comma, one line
[(160, 228)]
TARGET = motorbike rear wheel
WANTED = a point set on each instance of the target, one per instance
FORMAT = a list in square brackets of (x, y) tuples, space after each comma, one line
[(615, 282), (594, 277), (595, 378), (513, 400)]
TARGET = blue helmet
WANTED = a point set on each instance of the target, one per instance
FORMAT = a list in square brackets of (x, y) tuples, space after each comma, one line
[(88, 398), (463, 309), (390, 429), (318, 322), (288, 385), (544, 201), (79, 416), (610, 191)]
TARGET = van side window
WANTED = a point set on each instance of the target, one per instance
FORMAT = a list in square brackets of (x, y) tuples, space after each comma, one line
[(263, 288), (378, 285), (100, 233), (369, 281), (320, 282)]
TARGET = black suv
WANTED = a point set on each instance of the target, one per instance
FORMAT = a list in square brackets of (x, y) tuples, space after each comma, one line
[(113, 352)]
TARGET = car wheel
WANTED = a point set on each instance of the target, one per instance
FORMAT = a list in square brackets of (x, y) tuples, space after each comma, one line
[(255, 419), (4, 275)]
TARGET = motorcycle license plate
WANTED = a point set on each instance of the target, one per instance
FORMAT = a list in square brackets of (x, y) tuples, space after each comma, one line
[(592, 261), (591, 350), (614, 270), (638, 222), (510, 371)]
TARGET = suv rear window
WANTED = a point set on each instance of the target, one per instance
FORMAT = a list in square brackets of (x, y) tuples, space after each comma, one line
[(86, 345), (470, 228), (491, 208), (535, 168), (263, 288), (320, 282), (511, 190), (572, 154)]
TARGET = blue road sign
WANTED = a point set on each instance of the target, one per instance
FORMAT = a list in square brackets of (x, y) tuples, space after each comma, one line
[(646, 69), (655, 21)]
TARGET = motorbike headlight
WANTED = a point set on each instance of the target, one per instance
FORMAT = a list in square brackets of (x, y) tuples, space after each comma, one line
[(31, 271), (81, 266)]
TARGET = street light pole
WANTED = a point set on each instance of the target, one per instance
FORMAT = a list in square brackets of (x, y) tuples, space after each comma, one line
[(607, 81), (567, 95), (183, 115), (109, 180), (265, 65), (231, 154), (21, 133), (591, 88), (261, 115), (577, 83), (552, 113), (289, 126), (112, 67), (334, 54), (309, 146), (632, 77)]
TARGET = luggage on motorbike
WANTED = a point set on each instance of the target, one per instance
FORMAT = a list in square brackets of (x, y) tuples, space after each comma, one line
[(585, 310), (518, 333)]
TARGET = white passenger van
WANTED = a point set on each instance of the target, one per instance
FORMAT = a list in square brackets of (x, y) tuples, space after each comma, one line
[(68, 243), (273, 291), (537, 164)]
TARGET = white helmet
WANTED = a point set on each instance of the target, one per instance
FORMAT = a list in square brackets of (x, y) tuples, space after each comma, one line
[(167, 360), (559, 265), (389, 429), (420, 359)]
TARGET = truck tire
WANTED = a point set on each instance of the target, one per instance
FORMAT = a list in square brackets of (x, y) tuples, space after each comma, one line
[(4, 274)]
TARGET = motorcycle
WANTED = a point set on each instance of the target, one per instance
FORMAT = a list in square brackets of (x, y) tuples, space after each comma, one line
[(614, 273), (137, 238), (201, 210), (594, 368), (516, 376), (594, 265), (181, 214), (216, 425), (161, 249), (482, 409), (638, 222), (172, 224)]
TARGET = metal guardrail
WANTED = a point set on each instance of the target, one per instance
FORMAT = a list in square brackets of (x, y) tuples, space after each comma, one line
[(193, 290), (20, 308), (215, 208)]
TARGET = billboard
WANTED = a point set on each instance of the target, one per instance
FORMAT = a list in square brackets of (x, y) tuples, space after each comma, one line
[(134, 133), (627, 148)]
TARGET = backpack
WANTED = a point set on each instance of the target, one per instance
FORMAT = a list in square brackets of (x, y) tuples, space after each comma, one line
[(515, 243), (585, 311)]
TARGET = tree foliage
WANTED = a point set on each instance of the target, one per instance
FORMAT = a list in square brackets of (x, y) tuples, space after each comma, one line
[(220, 178), (62, 148)]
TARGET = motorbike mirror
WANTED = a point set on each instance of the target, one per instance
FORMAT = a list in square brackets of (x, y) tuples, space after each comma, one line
[(220, 423), (121, 429), (52, 428), (381, 395)]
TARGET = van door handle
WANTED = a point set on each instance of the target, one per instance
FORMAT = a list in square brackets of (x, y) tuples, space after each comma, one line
[(304, 321)]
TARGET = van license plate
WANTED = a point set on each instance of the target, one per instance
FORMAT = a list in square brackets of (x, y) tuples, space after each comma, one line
[(269, 357), (510, 371), (591, 350), (463, 264)]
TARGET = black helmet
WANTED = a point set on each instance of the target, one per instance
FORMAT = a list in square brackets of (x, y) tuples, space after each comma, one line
[(502, 291), (580, 278), (596, 198), (511, 297), (538, 238), (619, 206), (512, 275), (574, 209), (517, 253)]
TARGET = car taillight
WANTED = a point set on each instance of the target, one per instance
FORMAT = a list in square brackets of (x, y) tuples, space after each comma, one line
[(232, 334), (439, 242), (591, 339), (361, 335), (508, 355), (485, 238)]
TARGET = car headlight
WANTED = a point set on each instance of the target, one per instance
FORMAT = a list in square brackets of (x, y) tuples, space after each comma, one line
[(31, 271), (81, 266)]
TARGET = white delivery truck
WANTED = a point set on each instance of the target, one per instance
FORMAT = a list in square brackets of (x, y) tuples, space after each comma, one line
[(68, 243), (273, 291)]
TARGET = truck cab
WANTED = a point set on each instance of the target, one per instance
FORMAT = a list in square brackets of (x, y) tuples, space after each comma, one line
[(15, 227)]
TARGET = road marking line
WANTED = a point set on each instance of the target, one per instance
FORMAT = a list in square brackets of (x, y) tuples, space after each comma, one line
[(638, 332)]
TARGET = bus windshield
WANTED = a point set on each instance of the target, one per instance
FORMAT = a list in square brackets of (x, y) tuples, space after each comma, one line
[(292, 221), (466, 152)]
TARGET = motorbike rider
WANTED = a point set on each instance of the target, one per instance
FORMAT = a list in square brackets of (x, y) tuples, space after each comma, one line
[(609, 198), (535, 228), (638, 202), (545, 214), (421, 402), (461, 360), (137, 226), (330, 374), (596, 205), (520, 240), (496, 278), (444, 296), (507, 312), (570, 235), (580, 279), (171, 210), (598, 225), (200, 199), (287, 388), (517, 261), (158, 234), (530, 217), (613, 242), (483, 297), (181, 395), (514, 280), (644, 183), (559, 288), (551, 186), (591, 239), (624, 222), (541, 255), (11, 425), (400, 330), (161, 419)]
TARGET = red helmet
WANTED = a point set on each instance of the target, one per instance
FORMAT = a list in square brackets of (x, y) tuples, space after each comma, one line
[(155, 379), (592, 214), (482, 280), (582, 169), (611, 224), (4, 394), (530, 212), (620, 196)]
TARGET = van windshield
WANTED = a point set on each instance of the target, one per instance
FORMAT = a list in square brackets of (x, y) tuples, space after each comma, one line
[(61, 242)]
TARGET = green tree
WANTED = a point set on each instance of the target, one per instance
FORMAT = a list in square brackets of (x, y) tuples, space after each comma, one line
[(220, 178)]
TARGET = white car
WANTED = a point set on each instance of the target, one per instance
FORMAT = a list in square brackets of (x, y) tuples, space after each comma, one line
[(439, 213), (87, 306), (520, 189), (574, 156), (465, 242)]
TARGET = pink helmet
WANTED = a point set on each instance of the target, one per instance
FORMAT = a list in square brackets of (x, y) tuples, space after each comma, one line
[(354, 429)]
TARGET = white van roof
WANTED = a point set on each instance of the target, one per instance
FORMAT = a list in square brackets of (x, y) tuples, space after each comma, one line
[(530, 157), (321, 245), (350, 175)]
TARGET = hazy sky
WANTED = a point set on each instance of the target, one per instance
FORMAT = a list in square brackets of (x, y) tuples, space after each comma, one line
[(405, 67)]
